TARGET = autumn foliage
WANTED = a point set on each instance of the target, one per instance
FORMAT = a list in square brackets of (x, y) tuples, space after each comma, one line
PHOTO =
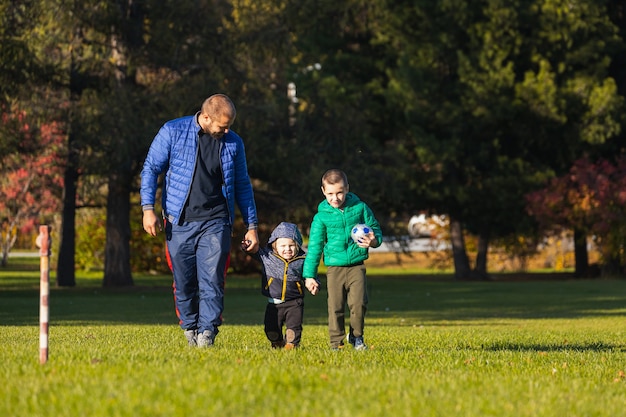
[(591, 198), (31, 179)]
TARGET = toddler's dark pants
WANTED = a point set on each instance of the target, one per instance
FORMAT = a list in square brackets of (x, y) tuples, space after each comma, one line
[(288, 314)]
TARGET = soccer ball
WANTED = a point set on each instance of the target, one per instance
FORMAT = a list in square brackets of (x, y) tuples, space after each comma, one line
[(358, 231)]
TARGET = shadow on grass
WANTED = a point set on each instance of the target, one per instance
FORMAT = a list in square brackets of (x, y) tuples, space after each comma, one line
[(408, 300), (412, 298), (565, 347)]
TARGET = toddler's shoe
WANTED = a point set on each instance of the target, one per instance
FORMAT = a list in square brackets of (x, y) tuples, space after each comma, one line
[(278, 345), (290, 336)]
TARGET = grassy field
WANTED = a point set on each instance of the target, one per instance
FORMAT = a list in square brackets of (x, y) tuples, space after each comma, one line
[(438, 348)]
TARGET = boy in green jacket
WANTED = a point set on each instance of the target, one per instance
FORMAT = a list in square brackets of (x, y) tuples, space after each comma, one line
[(330, 237)]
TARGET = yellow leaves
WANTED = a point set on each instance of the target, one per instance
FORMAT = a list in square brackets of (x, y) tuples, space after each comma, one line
[(8, 231), (469, 361), (601, 120), (539, 91), (584, 197)]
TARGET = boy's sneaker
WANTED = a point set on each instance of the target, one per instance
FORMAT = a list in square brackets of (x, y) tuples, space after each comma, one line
[(359, 344), (350, 338), (192, 337), (206, 339)]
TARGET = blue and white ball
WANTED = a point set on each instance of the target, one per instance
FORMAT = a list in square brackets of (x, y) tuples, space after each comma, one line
[(358, 231)]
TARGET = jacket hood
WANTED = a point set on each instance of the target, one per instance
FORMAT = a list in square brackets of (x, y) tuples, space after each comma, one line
[(286, 230)]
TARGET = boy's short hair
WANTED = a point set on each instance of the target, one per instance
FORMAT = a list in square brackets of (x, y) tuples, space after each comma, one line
[(334, 176)]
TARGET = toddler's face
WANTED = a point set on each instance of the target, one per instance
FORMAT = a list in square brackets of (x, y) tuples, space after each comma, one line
[(286, 248), (335, 194)]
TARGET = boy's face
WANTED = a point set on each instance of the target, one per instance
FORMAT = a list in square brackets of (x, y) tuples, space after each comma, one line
[(335, 193), (286, 248)]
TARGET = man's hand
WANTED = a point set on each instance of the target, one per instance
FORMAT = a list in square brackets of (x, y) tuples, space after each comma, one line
[(252, 241), (151, 222)]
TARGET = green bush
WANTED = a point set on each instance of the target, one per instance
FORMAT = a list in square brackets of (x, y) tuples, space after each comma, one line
[(90, 239), (146, 252)]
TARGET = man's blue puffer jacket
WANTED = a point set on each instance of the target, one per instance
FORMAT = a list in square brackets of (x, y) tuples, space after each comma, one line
[(174, 150)]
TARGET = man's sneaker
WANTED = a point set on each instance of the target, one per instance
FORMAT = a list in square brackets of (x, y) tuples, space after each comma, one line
[(192, 337), (350, 338), (206, 339), (359, 344)]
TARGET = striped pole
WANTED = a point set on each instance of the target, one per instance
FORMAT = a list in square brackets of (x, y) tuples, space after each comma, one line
[(43, 242)]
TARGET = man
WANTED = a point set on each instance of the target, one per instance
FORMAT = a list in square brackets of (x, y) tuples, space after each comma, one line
[(205, 175)]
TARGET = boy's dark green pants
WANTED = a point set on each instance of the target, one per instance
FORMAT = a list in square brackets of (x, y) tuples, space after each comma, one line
[(346, 284)]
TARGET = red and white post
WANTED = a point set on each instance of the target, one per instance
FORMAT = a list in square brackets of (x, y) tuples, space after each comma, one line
[(43, 242)]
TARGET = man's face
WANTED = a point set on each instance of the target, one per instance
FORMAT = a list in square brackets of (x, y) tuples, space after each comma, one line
[(335, 194), (286, 248), (217, 127)]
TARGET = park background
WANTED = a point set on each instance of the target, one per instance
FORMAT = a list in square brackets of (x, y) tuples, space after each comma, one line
[(506, 117)]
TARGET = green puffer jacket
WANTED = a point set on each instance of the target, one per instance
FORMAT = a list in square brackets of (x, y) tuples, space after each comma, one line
[(330, 235)]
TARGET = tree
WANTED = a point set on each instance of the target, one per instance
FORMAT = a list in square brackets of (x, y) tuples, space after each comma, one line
[(329, 110), (30, 180), (497, 97), (144, 45), (462, 113), (591, 199), (123, 67)]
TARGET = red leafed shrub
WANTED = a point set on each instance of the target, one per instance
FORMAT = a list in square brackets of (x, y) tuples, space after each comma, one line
[(592, 198), (31, 177)]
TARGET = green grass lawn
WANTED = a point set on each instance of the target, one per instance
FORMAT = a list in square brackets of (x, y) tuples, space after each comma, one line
[(438, 348)]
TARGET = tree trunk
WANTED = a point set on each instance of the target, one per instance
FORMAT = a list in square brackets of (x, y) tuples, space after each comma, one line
[(581, 256), (117, 247), (117, 271), (480, 271), (66, 272), (461, 261), (9, 236)]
